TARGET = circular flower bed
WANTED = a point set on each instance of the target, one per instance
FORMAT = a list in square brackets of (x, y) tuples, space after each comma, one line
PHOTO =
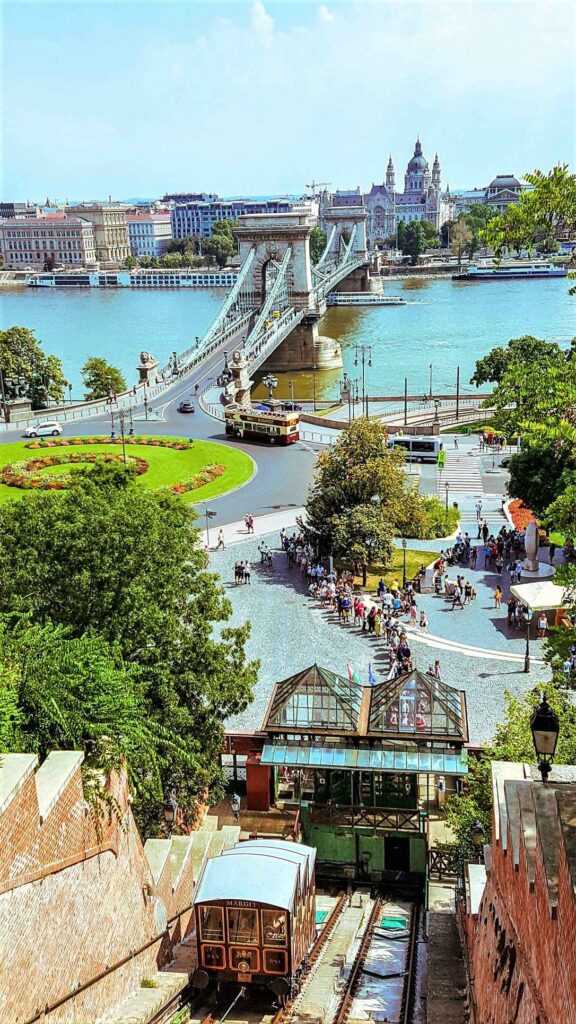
[(153, 442), (25, 475), (208, 474)]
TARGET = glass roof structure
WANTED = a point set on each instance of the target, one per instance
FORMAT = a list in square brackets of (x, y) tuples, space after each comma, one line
[(414, 706), (418, 704), (397, 759), (315, 699)]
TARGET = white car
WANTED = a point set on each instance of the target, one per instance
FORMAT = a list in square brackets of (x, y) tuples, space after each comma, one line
[(49, 428)]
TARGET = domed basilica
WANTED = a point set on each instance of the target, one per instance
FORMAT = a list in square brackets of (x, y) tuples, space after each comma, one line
[(422, 198)]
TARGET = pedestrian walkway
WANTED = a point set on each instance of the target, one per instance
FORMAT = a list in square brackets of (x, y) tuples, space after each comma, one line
[(461, 472), (236, 533)]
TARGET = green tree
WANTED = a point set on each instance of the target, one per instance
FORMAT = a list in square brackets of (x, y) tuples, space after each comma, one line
[(512, 742), (173, 260), (101, 379), (401, 234), (109, 558), (222, 245), (359, 473), (460, 239), (63, 692), (491, 368), (431, 237), (414, 241), (317, 243), (130, 262), (362, 535), (540, 215), (27, 371)]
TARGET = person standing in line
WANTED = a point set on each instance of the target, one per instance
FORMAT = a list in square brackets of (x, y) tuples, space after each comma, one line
[(485, 531), (246, 572), (455, 441), (437, 672)]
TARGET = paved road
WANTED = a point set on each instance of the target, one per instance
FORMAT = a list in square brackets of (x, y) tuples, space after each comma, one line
[(283, 476)]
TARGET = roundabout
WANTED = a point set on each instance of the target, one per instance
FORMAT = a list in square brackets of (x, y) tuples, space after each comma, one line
[(194, 470)]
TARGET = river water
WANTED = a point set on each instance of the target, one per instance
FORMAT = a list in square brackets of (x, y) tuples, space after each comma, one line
[(444, 324)]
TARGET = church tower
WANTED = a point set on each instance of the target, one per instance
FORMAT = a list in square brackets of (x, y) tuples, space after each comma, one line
[(436, 174), (390, 176)]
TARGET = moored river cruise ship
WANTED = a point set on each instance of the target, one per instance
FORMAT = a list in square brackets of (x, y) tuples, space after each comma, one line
[(508, 271)]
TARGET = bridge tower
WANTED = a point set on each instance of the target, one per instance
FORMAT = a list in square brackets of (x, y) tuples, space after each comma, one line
[(340, 222), (270, 235)]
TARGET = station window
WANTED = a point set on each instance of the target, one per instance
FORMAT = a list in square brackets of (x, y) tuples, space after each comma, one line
[(275, 961), (242, 925), (212, 924), (214, 957), (245, 961), (275, 927)]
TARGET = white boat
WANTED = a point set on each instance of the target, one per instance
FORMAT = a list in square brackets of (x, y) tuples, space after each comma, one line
[(508, 271), (364, 299)]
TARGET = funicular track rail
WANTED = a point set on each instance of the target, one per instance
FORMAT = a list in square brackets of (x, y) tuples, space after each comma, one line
[(347, 1000)]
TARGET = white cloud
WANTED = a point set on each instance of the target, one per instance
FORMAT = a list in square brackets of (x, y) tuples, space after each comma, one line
[(324, 14), (262, 23)]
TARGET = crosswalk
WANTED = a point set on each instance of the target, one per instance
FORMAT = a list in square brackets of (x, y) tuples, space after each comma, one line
[(462, 474)]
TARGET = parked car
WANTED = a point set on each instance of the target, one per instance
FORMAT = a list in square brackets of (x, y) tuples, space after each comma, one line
[(186, 407), (49, 428)]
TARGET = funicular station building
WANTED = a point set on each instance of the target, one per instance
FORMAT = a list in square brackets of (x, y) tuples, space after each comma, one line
[(361, 768)]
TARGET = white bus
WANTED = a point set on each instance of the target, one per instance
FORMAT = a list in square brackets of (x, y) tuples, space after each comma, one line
[(418, 449)]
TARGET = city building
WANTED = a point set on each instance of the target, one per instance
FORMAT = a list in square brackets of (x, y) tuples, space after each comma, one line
[(42, 243), (518, 913), (503, 190), (196, 217), (110, 231), (149, 233), (422, 198), (11, 210)]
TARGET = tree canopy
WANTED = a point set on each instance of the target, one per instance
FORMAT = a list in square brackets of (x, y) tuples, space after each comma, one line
[(490, 369), (512, 742), (120, 564), (27, 370), (317, 243), (360, 497), (222, 245), (540, 215), (101, 379)]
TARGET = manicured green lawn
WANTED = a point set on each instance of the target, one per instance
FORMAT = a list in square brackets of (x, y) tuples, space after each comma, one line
[(478, 427), (166, 466), (393, 575)]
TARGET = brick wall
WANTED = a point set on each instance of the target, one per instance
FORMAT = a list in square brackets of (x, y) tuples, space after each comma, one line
[(521, 947), (75, 902)]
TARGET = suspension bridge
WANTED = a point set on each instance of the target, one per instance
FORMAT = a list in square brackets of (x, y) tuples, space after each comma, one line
[(280, 295)]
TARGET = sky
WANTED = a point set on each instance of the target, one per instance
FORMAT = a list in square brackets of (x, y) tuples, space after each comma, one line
[(136, 98)]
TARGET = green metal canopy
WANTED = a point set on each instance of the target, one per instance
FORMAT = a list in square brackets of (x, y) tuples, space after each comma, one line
[(399, 759)]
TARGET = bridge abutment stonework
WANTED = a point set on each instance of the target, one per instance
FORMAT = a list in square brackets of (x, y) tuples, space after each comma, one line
[(306, 349)]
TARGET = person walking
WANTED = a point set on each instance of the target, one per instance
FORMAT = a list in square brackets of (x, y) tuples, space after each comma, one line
[(497, 597), (423, 620), (542, 624), (437, 672), (220, 543), (485, 531), (455, 442), (479, 510)]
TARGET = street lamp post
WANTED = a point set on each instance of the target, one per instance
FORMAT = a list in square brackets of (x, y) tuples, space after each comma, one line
[(121, 417), (291, 387), (209, 514), (365, 354), (404, 546), (145, 401), (545, 727), (528, 617), (446, 487), (170, 810), (430, 381), (112, 431), (270, 382)]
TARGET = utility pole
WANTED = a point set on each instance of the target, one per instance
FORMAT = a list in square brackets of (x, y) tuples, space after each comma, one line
[(405, 401), (4, 402), (457, 393)]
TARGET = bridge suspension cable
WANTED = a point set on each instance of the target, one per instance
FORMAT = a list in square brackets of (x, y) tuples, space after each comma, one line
[(328, 248), (348, 248), (233, 298), (274, 294)]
